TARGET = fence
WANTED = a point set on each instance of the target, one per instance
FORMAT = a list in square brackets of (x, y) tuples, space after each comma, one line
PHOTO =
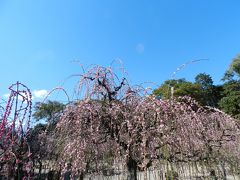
[(180, 171)]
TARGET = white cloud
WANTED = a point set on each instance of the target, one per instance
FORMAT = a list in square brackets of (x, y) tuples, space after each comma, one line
[(40, 94), (140, 48)]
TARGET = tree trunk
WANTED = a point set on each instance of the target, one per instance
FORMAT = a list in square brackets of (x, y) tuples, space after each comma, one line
[(20, 172), (40, 169), (132, 169), (81, 177), (59, 172)]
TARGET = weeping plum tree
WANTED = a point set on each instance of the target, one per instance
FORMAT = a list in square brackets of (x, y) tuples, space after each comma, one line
[(119, 123), (103, 120), (15, 155)]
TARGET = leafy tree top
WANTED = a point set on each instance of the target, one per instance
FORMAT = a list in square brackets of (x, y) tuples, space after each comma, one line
[(204, 80), (233, 70), (201, 90), (48, 110)]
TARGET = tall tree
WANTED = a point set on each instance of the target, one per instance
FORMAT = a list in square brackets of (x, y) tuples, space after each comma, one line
[(204, 80), (233, 70), (49, 111), (209, 94), (230, 103), (41, 136)]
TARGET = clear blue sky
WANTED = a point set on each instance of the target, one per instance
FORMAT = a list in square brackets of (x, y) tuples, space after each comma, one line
[(39, 39)]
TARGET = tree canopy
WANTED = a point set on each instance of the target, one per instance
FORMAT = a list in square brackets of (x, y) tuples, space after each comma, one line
[(230, 103), (233, 69), (201, 90), (48, 111)]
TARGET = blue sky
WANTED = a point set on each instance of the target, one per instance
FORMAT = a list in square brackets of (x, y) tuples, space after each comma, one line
[(40, 39)]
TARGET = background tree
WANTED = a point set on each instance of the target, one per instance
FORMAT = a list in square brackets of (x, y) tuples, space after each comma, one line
[(38, 146), (204, 80), (49, 111), (41, 136), (230, 103), (201, 90), (181, 88), (209, 94), (233, 70)]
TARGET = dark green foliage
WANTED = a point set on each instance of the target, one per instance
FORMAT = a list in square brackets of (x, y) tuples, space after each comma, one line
[(201, 90), (233, 70), (48, 111), (205, 81), (181, 88), (230, 103), (209, 94)]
